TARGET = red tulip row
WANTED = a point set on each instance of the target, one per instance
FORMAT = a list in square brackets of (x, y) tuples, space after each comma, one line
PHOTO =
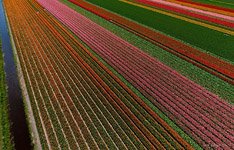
[(188, 13), (202, 114), (213, 65), (77, 102)]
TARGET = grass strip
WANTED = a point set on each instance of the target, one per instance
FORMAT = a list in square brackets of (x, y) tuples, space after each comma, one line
[(5, 138)]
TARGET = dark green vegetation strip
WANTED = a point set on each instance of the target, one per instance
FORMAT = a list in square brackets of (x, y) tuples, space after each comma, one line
[(204, 38), (220, 3), (127, 35), (5, 140)]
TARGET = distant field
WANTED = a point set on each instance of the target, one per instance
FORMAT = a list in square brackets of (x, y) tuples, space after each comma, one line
[(206, 39)]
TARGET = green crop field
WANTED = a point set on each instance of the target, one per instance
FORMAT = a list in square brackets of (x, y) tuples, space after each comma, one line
[(206, 39)]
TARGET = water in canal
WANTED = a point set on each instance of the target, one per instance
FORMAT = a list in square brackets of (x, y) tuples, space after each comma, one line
[(19, 128)]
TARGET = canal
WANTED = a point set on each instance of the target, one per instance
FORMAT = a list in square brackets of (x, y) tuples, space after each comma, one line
[(19, 128)]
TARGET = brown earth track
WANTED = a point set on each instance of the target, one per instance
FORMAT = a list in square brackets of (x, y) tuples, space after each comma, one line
[(45, 74), (211, 64)]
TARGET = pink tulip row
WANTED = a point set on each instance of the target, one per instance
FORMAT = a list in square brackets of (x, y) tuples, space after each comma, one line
[(191, 12), (204, 114)]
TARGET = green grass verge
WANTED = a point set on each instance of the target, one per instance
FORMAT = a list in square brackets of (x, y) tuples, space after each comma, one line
[(220, 3), (209, 40), (5, 138)]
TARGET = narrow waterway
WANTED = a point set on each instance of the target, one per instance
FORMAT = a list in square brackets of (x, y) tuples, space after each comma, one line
[(19, 128)]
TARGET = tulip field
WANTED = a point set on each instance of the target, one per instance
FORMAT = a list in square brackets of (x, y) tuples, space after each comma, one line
[(90, 88)]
